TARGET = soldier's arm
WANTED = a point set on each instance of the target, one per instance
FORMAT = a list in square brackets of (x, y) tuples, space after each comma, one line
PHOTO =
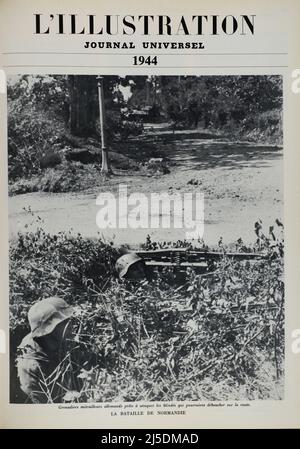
[(31, 380)]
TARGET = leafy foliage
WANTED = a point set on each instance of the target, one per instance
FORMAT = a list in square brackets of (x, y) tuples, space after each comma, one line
[(44, 110), (210, 337), (36, 122), (231, 104), (45, 113)]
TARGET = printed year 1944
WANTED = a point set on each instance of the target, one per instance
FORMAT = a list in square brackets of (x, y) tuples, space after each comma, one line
[(142, 60)]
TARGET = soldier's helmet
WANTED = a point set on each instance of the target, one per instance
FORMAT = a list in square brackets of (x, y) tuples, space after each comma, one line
[(46, 314), (125, 262)]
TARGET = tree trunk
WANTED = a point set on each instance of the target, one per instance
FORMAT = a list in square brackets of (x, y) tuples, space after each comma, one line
[(83, 111)]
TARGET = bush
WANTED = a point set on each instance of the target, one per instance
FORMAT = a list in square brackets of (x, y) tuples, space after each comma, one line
[(265, 127), (43, 265), (30, 135), (213, 337), (70, 176)]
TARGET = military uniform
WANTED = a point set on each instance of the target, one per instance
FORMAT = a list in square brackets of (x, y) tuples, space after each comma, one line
[(46, 375)]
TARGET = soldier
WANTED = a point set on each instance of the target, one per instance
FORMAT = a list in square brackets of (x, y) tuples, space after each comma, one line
[(44, 362), (131, 267)]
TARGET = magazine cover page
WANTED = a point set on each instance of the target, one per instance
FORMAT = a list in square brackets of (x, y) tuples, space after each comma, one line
[(149, 214)]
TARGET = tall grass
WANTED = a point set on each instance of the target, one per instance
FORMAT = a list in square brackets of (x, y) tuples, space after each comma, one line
[(215, 337)]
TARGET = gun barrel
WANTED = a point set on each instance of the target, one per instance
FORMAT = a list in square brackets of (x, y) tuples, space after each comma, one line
[(174, 255), (235, 255), (158, 263)]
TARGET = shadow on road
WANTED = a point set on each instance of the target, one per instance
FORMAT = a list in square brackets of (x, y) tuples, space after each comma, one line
[(199, 150), (199, 155)]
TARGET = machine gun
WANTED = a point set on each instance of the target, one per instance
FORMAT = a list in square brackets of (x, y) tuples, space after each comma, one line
[(202, 260)]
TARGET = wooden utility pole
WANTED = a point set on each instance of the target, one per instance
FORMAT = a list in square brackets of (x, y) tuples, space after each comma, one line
[(105, 168), (148, 92)]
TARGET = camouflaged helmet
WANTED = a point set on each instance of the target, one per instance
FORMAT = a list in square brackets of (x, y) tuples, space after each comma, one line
[(46, 314), (126, 261)]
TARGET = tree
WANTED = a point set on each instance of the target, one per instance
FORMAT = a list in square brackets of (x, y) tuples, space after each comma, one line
[(82, 104)]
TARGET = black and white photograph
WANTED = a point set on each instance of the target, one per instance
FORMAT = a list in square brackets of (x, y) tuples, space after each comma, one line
[(146, 238)]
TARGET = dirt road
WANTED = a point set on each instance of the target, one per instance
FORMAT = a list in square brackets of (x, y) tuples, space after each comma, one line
[(241, 183)]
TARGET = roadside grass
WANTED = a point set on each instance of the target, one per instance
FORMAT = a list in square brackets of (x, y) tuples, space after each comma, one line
[(210, 338)]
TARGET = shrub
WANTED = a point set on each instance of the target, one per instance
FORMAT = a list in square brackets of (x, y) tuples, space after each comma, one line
[(30, 135), (212, 337), (265, 127)]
